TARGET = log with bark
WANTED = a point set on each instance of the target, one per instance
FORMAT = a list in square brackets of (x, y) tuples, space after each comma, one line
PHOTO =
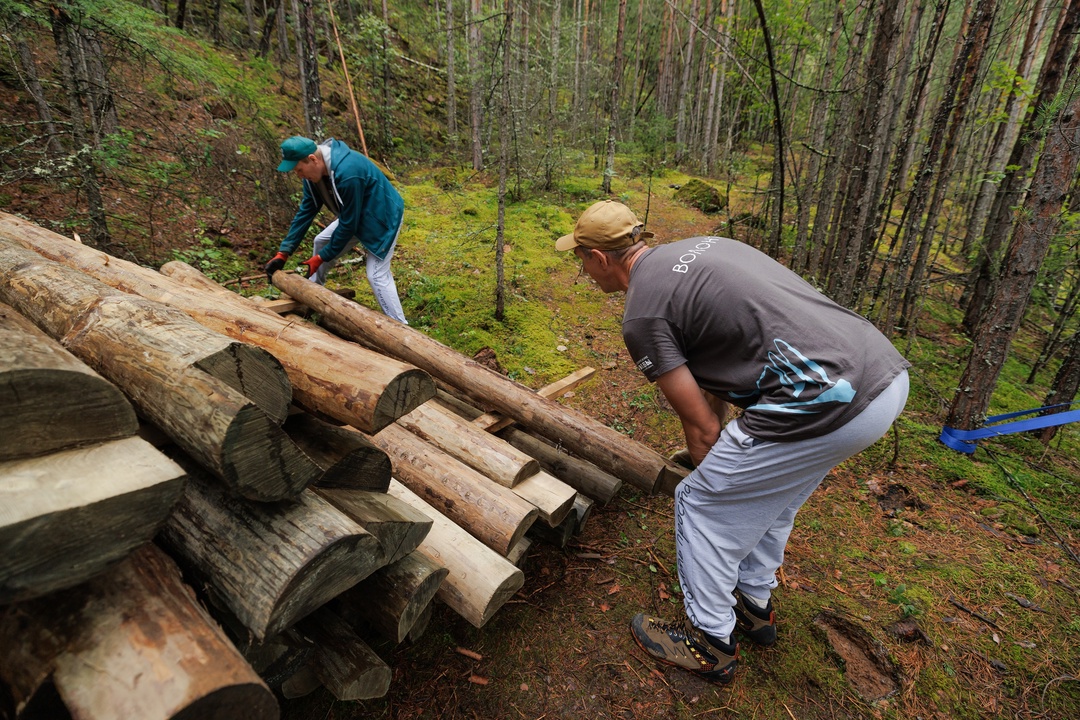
[(131, 643), (268, 563), (394, 597), (153, 354), (488, 511), (347, 458), (611, 450), (335, 377), (50, 399), (251, 370), (479, 580), (398, 527), (343, 662), (67, 516)]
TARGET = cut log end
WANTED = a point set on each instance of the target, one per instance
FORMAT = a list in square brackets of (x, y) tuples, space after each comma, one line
[(256, 374), (410, 390), (249, 700), (261, 462)]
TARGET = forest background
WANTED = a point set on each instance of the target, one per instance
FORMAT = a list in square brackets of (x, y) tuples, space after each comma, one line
[(916, 160)]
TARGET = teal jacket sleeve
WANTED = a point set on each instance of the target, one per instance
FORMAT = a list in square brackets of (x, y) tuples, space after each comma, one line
[(309, 206), (353, 198)]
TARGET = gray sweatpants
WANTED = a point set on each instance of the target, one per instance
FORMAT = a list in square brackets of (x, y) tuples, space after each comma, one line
[(734, 513), (378, 272)]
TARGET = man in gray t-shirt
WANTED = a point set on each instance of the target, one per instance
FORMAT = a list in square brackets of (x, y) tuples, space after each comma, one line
[(713, 321)]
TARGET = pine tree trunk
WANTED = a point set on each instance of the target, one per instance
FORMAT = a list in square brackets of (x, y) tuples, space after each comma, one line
[(1011, 189), (475, 99), (33, 86), (506, 117), (978, 33), (451, 89), (1065, 386), (1005, 136), (1030, 241), (63, 36), (309, 70), (613, 101)]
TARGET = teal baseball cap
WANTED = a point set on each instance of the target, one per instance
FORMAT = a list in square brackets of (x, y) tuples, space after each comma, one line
[(294, 150)]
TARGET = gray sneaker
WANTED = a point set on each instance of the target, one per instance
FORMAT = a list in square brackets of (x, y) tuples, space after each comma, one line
[(757, 625), (686, 647)]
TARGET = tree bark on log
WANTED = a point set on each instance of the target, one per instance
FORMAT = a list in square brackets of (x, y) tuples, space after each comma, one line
[(394, 597), (250, 370), (479, 580), (152, 352), (579, 474), (68, 516), (470, 444), (332, 376), (269, 564), (144, 625), (347, 458), (51, 400), (622, 456), (344, 663), (399, 528), (491, 513)]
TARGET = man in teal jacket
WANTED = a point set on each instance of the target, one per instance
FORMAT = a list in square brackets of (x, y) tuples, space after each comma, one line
[(367, 208)]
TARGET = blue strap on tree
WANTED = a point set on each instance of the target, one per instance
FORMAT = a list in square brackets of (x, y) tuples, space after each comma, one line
[(964, 440)]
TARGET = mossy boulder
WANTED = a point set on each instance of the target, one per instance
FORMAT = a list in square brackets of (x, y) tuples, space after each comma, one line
[(702, 196)]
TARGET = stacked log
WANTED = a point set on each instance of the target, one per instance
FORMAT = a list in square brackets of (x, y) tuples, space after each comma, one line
[(302, 573), (78, 492)]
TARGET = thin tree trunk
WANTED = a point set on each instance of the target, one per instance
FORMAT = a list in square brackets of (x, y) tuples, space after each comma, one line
[(971, 60), (684, 87), (309, 70), (1065, 386), (504, 161), (474, 86), (613, 103), (1011, 189), (1005, 136), (63, 37), (451, 90), (1031, 239), (33, 86)]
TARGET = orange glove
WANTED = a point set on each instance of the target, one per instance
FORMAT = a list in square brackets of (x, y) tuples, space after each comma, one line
[(312, 264)]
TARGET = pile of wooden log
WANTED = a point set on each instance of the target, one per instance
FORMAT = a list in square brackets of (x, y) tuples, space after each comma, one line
[(220, 503)]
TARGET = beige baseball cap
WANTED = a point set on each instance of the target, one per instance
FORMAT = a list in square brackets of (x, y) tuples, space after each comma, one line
[(606, 225)]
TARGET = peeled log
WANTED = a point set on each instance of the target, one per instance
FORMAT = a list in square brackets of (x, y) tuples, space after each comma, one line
[(152, 353), (399, 528), (50, 398), (268, 563), (551, 497), (582, 475), (347, 458), (470, 444), (622, 456), (132, 643), (491, 513), (344, 663), (67, 516), (480, 580), (330, 375), (394, 597)]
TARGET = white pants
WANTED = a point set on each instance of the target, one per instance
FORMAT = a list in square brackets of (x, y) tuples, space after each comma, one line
[(734, 513), (379, 274)]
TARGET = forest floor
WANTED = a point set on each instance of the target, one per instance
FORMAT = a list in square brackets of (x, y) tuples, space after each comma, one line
[(914, 587)]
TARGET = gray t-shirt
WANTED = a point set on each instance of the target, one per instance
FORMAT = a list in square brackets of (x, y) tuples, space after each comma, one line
[(755, 334)]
